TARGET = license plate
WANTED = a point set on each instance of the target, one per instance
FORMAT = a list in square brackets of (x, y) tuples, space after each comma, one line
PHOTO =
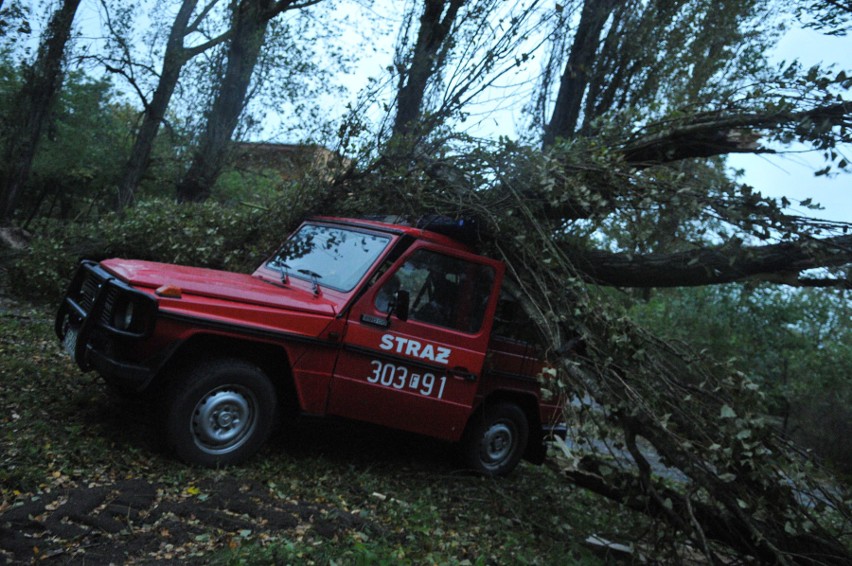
[(70, 341)]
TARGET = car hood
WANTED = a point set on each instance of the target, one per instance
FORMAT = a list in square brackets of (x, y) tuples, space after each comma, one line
[(216, 284)]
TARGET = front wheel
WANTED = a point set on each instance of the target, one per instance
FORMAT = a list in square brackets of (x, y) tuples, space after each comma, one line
[(495, 439), (220, 413)]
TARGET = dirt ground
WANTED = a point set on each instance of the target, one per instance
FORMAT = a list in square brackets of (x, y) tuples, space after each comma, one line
[(134, 521), (140, 521)]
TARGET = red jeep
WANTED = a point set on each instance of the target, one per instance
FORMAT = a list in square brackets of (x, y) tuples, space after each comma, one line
[(390, 324)]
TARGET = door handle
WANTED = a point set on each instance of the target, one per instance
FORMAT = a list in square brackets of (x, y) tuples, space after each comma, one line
[(462, 373)]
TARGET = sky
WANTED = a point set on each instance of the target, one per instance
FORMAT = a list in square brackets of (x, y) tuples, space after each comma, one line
[(790, 174)]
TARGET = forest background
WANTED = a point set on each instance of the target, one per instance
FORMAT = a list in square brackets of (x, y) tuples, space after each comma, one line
[(713, 316)]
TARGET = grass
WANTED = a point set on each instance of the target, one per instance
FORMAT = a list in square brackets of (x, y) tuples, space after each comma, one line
[(60, 429)]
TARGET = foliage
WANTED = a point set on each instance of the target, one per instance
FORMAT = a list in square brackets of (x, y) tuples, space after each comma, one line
[(257, 188), (832, 17), (705, 420), (299, 68), (673, 84), (652, 59), (80, 157), (203, 235), (14, 17), (797, 344), (235, 236)]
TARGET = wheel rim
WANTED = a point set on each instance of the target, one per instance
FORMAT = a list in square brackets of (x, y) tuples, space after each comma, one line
[(224, 419), (498, 444)]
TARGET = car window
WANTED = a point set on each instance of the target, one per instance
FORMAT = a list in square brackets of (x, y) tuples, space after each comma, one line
[(333, 257), (511, 321), (445, 291)]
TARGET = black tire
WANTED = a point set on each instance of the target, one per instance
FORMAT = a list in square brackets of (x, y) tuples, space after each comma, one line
[(495, 439), (220, 412)]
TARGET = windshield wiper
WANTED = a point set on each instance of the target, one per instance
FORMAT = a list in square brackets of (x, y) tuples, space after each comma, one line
[(285, 272), (315, 277)]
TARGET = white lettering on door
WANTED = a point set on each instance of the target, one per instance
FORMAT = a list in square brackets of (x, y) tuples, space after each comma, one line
[(415, 349)]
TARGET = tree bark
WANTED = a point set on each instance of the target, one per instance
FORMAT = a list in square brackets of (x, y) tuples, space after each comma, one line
[(251, 19), (174, 59), (778, 262), (575, 77), (249, 29), (718, 134), (435, 25), (32, 105)]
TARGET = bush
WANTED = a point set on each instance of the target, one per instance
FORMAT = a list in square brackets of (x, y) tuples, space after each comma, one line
[(205, 235), (230, 236), (796, 343)]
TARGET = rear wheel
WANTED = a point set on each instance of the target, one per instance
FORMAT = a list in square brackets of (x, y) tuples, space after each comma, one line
[(495, 439), (220, 412)]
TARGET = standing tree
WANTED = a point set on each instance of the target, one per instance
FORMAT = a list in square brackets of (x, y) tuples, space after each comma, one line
[(176, 55), (250, 21), (456, 51), (426, 58), (650, 57), (24, 125), (575, 77)]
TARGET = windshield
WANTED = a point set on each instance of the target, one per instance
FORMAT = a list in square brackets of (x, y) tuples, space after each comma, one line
[(333, 257)]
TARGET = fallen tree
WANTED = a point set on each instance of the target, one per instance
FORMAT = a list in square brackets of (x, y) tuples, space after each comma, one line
[(744, 493)]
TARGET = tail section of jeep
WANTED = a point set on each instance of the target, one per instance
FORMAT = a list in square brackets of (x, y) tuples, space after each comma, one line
[(389, 324)]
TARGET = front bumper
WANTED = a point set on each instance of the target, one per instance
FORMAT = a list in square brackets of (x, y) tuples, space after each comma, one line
[(92, 326)]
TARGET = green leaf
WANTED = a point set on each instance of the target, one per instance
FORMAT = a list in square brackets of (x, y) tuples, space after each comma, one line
[(727, 412)]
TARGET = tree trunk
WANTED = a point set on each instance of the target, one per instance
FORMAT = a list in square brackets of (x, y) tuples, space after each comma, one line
[(435, 25), (611, 68), (780, 263), (32, 105), (251, 18), (721, 133), (575, 77), (173, 62)]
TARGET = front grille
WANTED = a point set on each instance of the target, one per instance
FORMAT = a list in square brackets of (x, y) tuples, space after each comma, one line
[(85, 321), (109, 304), (88, 291), (94, 297)]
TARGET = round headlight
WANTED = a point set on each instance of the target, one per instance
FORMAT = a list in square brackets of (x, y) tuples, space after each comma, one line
[(124, 316)]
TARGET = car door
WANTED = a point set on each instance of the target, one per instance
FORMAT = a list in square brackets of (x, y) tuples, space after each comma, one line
[(420, 374)]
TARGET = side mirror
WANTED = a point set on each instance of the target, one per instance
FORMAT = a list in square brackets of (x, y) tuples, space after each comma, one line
[(401, 304)]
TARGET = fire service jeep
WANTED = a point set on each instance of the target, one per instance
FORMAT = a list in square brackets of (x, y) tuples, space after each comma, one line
[(390, 324)]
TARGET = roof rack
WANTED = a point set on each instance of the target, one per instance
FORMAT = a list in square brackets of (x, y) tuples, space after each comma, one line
[(463, 229)]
